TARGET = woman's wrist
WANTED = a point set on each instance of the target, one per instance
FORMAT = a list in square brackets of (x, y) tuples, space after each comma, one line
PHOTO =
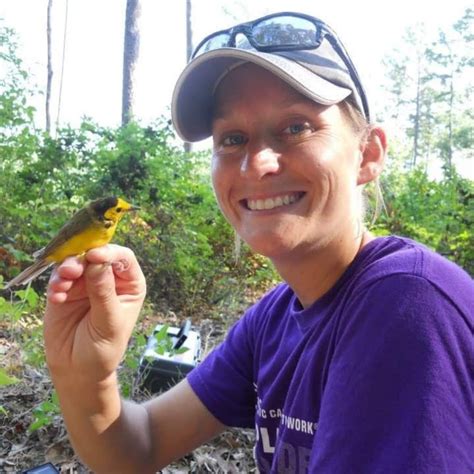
[(83, 386)]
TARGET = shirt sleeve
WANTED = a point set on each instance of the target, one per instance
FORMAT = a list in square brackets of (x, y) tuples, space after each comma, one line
[(398, 396), (224, 380)]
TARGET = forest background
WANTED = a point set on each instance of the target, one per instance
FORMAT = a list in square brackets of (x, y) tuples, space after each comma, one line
[(185, 247)]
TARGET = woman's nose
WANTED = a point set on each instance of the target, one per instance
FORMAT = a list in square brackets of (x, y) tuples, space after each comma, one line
[(260, 161)]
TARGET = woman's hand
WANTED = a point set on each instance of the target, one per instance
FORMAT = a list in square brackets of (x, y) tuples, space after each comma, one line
[(92, 305)]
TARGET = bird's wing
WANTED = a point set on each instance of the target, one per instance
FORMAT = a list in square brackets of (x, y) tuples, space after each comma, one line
[(78, 222)]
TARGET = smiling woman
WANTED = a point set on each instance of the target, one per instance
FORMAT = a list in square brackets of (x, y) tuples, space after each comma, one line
[(360, 361), (271, 144)]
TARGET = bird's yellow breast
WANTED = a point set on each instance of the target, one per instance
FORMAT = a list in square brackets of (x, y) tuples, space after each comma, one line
[(94, 236)]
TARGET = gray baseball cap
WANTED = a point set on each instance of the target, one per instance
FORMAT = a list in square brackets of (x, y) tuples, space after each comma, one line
[(319, 74)]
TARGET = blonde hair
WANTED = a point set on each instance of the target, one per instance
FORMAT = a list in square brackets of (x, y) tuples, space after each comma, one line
[(362, 128)]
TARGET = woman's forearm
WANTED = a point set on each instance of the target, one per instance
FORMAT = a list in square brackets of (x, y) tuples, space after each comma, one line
[(108, 434)]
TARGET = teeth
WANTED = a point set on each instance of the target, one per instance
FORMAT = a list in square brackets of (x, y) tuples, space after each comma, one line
[(270, 203)]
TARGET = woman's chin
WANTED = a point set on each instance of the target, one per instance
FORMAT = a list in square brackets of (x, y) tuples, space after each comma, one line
[(271, 248)]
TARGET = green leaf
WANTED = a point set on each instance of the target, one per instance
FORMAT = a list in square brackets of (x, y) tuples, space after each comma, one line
[(6, 379), (131, 362), (39, 423), (162, 334), (32, 297), (47, 407), (140, 340), (29, 295), (181, 350)]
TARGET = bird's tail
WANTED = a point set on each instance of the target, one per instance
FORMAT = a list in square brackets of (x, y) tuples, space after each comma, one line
[(29, 274)]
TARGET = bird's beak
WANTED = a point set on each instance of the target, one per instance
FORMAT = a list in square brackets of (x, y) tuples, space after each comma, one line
[(134, 208)]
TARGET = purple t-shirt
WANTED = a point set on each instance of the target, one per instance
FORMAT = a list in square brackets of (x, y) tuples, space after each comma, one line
[(375, 377)]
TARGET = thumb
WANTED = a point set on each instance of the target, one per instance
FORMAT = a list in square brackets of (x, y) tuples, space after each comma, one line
[(100, 285)]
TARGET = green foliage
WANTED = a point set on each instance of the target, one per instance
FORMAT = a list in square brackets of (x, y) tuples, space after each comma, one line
[(430, 89), (180, 238), (130, 363), (6, 379), (437, 213), (25, 302), (33, 345), (14, 111), (165, 343), (178, 233), (430, 92), (129, 376), (45, 412)]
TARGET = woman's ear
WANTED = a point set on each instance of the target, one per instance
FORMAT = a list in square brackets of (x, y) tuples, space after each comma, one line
[(373, 155)]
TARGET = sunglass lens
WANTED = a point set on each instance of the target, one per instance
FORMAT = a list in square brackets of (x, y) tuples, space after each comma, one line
[(285, 31), (214, 42)]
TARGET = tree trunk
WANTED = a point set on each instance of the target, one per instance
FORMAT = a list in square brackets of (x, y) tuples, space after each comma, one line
[(61, 78), (189, 32), (49, 66), (130, 56), (450, 114), (189, 51), (417, 118)]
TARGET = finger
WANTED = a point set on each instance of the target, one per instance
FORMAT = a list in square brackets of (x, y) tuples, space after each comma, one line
[(66, 283), (56, 297), (71, 268), (57, 284), (100, 286), (61, 291)]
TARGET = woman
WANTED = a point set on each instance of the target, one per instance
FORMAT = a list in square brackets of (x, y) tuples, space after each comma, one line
[(361, 361)]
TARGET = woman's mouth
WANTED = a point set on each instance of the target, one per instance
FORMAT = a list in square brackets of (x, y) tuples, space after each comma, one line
[(272, 203)]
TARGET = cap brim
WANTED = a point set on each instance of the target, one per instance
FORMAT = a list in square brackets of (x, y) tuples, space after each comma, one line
[(192, 101)]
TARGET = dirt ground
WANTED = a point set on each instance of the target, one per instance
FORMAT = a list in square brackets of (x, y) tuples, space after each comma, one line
[(21, 449)]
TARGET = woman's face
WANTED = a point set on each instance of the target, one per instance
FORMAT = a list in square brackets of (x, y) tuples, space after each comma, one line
[(284, 169)]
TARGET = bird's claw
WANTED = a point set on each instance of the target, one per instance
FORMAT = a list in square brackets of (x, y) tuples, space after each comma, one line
[(120, 266)]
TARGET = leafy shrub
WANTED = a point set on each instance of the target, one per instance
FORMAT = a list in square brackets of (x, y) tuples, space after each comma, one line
[(439, 214)]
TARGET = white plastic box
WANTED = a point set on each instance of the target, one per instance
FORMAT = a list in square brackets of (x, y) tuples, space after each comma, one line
[(159, 372)]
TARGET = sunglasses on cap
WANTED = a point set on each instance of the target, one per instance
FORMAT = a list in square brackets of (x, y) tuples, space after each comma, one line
[(286, 31)]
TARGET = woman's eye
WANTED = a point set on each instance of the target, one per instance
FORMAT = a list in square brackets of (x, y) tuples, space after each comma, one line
[(233, 140), (297, 128)]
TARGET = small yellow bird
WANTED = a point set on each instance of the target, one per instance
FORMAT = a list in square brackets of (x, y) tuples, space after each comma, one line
[(91, 227)]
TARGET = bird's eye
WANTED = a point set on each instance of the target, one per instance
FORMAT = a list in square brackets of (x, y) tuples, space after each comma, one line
[(119, 209)]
